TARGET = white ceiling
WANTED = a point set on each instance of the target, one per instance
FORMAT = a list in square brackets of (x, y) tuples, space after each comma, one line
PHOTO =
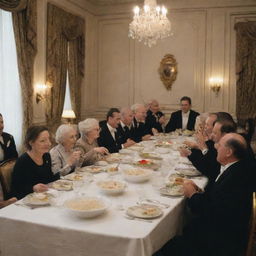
[(110, 2)]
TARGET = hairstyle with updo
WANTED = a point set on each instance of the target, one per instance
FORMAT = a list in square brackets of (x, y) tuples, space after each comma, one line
[(62, 131), (87, 125), (33, 133)]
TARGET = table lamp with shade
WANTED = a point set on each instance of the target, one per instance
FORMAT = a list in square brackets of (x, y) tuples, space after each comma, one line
[(69, 115)]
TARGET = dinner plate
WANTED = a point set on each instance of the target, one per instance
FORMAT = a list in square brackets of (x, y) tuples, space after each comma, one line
[(37, 199), (74, 177), (144, 211), (62, 185), (147, 163), (111, 187), (172, 191), (93, 169), (150, 156), (188, 172)]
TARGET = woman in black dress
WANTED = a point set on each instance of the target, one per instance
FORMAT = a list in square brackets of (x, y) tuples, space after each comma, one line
[(32, 170)]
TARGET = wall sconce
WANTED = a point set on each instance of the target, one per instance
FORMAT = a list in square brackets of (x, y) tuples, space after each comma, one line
[(41, 92), (215, 84), (69, 115)]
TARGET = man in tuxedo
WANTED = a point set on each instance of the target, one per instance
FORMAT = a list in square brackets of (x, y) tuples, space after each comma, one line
[(139, 131), (223, 211), (7, 144), (125, 126), (110, 138), (155, 118), (184, 118)]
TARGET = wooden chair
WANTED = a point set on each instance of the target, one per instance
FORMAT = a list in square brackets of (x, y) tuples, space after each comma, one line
[(252, 230), (6, 169)]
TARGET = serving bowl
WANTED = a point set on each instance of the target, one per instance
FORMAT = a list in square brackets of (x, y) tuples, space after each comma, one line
[(111, 187), (86, 207), (137, 175)]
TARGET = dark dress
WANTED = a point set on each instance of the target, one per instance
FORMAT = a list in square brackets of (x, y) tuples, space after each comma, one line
[(9, 147), (175, 121), (152, 121), (27, 173)]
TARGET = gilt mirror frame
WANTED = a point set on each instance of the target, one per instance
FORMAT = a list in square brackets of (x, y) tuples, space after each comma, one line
[(168, 70)]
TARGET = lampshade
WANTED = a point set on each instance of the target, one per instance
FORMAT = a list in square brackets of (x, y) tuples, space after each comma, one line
[(68, 114)]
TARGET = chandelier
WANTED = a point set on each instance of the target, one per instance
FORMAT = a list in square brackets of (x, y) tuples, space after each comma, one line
[(149, 24)]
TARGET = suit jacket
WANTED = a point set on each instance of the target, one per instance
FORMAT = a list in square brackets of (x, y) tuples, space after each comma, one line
[(9, 147), (106, 140), (138, 130), (207, 164), (125, 133), (223, 213), (152, 122), (175, 121)]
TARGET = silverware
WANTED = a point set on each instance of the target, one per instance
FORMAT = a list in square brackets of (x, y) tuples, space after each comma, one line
[(154, 201), (135, 218)]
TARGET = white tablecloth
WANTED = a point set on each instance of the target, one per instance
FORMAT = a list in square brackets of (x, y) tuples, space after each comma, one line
[(52, 231)]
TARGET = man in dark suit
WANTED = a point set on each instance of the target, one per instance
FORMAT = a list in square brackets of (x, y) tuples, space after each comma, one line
[(139, 131), (7, 144), (223, 211), (184, 118), (125, 126), (110, 138), (155, 118)]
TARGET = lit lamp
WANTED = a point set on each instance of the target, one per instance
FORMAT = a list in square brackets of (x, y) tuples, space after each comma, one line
[(69, 115), (41, 92), (215, 84)]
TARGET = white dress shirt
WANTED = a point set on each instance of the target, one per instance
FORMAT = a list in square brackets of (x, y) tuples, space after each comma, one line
[(185, 119), (112, 131), (223, 168)]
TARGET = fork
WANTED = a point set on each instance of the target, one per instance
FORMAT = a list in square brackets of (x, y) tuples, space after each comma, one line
[(135, 218), (154, 201)]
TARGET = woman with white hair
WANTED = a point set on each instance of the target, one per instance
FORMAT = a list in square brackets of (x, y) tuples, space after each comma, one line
[(89, 130), (64, 158)]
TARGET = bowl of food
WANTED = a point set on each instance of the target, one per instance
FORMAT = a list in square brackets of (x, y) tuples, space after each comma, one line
[(111, 187), (37, 199), (147, 163), (86, 207), (62, 185), (137, 175)]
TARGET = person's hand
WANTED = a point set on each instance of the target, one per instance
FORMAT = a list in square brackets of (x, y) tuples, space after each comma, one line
[(146, 137), (7, 202), (129, 143), (162, 120), (191, 144), (184, 152), (154, 131), (40, 188), (190, 188), (101, 150), (74, 158)]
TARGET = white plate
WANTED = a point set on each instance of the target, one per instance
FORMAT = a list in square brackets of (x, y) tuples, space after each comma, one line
[(188, 172), (62, 185), (153, 156), (144, 211), (147, 163), (86, 207), (93, 169), (111, 187), (74, 177), (172, 191), (137, 175), (37, 199)]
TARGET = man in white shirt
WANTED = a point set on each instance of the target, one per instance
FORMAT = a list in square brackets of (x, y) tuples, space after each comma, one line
[(184, 118)]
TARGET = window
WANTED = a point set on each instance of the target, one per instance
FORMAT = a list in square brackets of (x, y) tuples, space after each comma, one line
[(10, 89)]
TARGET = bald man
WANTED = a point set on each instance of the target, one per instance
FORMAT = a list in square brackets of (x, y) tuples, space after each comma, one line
[(223, 211)]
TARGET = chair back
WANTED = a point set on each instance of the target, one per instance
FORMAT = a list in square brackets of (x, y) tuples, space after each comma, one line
[(252, 230), (6, 169)]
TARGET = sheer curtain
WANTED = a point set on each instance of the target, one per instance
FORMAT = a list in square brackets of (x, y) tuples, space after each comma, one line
[(10, 89)]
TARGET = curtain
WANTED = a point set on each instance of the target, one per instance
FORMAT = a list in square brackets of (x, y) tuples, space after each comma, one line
[(10, 84), (24, 26), (63, 29), (246, 70)]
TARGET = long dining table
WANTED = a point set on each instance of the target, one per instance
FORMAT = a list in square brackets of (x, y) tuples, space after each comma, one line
[(53, 231)]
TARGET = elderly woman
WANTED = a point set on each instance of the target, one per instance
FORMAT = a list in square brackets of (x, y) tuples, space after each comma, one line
[(87, 144), (32, 170), (64, 159)]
